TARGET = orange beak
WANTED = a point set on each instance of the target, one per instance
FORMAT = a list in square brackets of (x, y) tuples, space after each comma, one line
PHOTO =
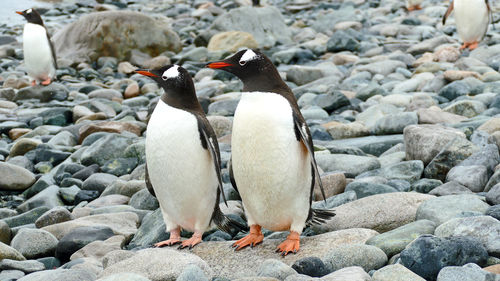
[(219, 64), (19, 13), (145, 72)]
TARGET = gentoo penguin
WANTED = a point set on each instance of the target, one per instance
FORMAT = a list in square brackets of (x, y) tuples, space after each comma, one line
[(273, 165), (183, 160), (39, 54), (471, 18), (414, 5)]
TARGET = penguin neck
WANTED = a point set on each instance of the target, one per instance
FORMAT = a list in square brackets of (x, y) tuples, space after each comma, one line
[(269, 82), (184, 99)]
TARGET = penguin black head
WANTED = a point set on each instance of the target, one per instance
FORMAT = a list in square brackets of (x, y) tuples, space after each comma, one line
[(32, 16), (255, 70), (177, 83)]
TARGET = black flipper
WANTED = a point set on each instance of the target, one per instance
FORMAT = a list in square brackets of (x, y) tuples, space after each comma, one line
[(226, 224), (209, 141), (148, 181), (448, 12), (231, 175), (319, 216)]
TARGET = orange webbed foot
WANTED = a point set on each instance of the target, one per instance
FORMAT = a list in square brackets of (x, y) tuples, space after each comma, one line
[(473, 45), (253, 238), (191, 242), (46, 82), (175, 238), (290, 245), (169, 242), (33, 83), (464, 46)]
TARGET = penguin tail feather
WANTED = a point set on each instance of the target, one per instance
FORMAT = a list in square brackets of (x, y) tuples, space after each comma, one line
[(320, 216), (226, 224)]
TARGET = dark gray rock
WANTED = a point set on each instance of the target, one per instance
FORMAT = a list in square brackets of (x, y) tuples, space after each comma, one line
[(98, 182), (223, 107), (400, 185), (394, 123), (494, 211), (152, 230), (331, 101), (310, 266), (454, 90), (50, 262), (58, 116), (42, 183), (143, 200), (336, 200), (86, 172), (342, 41), (48, 197), (26, 218), (85, 195), (119, 166), (364, 189), (374, 145), (68, 194), (109, 147), (428, 254), (78, 238), (450, 188), (425, 185)]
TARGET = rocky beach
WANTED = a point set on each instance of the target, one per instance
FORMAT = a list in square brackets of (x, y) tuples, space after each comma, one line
[(406, 130)]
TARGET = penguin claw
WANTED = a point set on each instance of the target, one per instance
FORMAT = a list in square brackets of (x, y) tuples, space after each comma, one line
[(191, 242), (252, 239), (169, 242), (290, 245)]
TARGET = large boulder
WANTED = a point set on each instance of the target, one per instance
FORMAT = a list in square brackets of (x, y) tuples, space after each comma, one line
[(115, 34), (266, 24)]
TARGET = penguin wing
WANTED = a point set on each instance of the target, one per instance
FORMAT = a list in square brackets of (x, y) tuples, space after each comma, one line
[(209, 141), (148, 181), (231, 175), (304, 135), (54, 58), (448, 12)]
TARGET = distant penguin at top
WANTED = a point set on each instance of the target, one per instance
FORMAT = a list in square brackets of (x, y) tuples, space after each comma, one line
[(414, 5), (471, 18), (39, 53)]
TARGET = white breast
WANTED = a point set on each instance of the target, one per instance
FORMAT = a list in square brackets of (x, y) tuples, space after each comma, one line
[(271, 168), (37, 52), (181, 171), (471, 18)]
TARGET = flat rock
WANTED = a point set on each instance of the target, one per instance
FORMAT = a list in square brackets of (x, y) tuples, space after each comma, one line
[(229, 264), (473, 177), (468, 272), (374, 145), (109, 200), (124, 223), (410, 171), (126, 276), (444, 208), (109, 127), (353, 273), (13, 177), (381, 212), (158, 264), (394, 241), (232, 41), (27, 266), (484, 228), (53, 216), (60, 275), (450, 188), (98, 249), (49, 197), (436, 116), (352, 165)]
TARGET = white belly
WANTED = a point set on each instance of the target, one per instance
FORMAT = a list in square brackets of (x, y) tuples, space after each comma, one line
[(271, 168), (414, 2), (471, 18), (37, 53), (180, 169)]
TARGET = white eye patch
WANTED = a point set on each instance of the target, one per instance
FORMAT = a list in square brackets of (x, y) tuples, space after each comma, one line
[(172, 72), (29, 11), (248, 56)]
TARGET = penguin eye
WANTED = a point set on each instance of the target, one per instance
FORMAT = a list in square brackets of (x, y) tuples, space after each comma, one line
[(164, 77), (243, 62)]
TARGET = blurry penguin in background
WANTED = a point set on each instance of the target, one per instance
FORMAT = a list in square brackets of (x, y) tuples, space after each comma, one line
[(39, 53), (472, 18), (414, 5)]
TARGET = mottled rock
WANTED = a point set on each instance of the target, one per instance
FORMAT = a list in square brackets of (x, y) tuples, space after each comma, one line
[(13, 177), (395, 272), (231, 41), (274, 268), (34, 243), (444, 208), (366, 256), (53, 216)]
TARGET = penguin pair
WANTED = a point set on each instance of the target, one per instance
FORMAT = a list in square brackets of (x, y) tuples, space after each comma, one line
[(39, 55), (472, 18), (273, 166)]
